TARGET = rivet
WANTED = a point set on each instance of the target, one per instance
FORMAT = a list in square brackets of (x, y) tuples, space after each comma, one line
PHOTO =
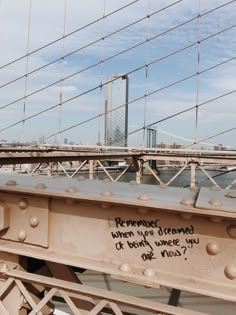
[(186, 216), (22, 235), (231, 194), (71, 189), (125, 267), (143, 210), (106, 193), (70, 201), (11, 183), (215, 202), (40, 186), (133, 182), (216, 219), (187, 201), (230, 272), (4, 268), (144, 197), (105, 205), (34, 222), (213, 248), (149, 272), (231, 230), (81, 178), (23, 204)]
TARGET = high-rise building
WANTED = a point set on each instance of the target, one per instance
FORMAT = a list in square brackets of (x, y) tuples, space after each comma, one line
[(116, 111)]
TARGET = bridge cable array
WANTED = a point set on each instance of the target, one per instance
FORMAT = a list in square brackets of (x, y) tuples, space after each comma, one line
[(145, 66)]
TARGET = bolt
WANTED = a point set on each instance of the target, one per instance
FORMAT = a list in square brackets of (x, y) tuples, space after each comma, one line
[(215, 202), (34, 222), (186, 216), (23, 204), (107, 193), (71, 189), (149, 272), (125, 267), (143, 210), (216, 219), (4, 268), (144, 197), (231, 230), (187, 201), (81, 178), (22, 235), (230, 272), (213, 248), (40, 186), (105, 205), (11, 183)]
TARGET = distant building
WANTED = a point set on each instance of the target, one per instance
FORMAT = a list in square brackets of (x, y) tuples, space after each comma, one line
[(151, 137), (116, 120)]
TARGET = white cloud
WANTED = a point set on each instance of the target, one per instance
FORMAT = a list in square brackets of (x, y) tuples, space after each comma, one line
[(47, 24)]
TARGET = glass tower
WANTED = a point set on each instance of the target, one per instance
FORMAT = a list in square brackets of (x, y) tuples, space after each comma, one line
[(116, 111)]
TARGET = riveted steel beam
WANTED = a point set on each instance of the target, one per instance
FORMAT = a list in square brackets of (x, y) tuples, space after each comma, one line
[(180, 238)]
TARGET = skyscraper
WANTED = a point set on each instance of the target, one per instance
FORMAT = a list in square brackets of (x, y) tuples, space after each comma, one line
[(116, 111)]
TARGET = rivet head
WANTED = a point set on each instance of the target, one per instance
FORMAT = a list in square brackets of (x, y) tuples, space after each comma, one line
[(34, 221), (143, 210), (144, 197), (21, 235), (11, 183), (71, 189), (186, 216), (70, 201), (230, 272), (215, 202), (4, 268), (40, 186), (23, 204), (149, 272), (231, 194), (187, 201), (216, 219), (231, 230), (105, 205), (106, 193), (125, 267), (81, 178), (213, 248)]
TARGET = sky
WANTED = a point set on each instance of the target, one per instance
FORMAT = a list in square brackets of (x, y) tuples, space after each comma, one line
[(172, 42)]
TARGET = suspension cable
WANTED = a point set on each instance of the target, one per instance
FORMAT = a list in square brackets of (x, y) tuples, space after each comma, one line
[(69, 34)]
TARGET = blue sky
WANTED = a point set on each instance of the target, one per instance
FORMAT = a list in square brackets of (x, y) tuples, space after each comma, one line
[(49, 20)]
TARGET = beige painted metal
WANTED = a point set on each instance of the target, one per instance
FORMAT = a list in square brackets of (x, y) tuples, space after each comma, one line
[(105, 300), (180, 238), (150, 235)]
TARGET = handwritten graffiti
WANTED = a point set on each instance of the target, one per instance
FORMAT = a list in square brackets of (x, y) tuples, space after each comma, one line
[(151, 240)]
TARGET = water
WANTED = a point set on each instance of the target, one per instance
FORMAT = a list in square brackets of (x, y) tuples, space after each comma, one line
[(183, 180)]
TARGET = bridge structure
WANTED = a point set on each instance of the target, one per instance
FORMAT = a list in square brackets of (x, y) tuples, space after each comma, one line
[(180, 59)]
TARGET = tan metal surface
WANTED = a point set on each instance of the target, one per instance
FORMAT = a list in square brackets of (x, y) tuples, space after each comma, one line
[(139, 233)]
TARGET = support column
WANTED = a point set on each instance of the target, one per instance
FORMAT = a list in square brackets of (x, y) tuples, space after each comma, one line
[(193, 174), (91, 169)]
